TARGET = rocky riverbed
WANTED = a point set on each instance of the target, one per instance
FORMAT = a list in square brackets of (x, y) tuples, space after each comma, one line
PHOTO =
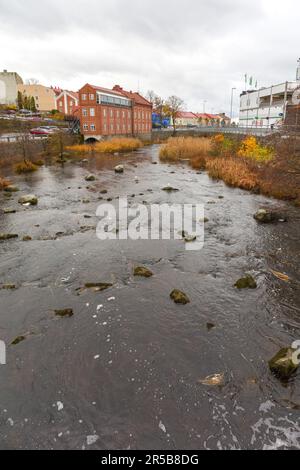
[(100, 358)]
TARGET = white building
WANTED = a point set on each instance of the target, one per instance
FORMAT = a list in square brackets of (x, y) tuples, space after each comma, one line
[(267, 107), (9, 82)]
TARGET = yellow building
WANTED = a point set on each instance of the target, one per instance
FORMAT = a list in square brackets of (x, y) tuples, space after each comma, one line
[(44, 97)]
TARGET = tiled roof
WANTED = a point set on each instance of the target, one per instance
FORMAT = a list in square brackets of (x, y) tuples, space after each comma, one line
[(186, 115)]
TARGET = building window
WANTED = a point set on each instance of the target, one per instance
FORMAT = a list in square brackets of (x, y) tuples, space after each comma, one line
[(104, 112), (92, 112), (111, 127), (83, 97), (85, 127), (128, 112), (118, 114), (92, 96), (111, 113), (104, 126), (123, 114), (93, 127), (84, 112), (118, 127)]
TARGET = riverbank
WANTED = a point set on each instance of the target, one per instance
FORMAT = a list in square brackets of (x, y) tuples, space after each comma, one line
[(265, 167)]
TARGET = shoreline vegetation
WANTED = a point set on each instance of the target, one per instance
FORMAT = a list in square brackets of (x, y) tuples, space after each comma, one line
[(269, 168), (266, 166), (114, 145)]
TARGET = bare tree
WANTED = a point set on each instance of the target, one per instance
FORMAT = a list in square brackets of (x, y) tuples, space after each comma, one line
[(151, 95), (32, 81), (172, 107)]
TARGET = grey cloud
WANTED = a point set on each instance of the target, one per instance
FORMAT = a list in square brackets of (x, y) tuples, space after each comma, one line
[(196, 49)]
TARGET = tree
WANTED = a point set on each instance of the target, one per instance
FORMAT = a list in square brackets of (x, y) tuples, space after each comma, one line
[(32, 104), (151, 95), (20, 100), (172, 107)]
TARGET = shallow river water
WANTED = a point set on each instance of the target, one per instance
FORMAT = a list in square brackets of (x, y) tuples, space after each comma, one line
[(124, 371)]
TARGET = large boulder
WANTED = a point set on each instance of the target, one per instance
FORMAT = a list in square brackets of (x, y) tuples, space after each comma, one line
[(29, 199), (283, 365), (265, 216)]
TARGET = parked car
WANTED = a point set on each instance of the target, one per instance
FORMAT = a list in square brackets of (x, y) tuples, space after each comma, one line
[(44, 130)]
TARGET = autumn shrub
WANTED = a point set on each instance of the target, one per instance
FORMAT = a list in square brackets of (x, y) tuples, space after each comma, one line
[(25, 167), (3, 183), (224, 146), (117, 144), (234, 172), (194, 149), (251, 149)]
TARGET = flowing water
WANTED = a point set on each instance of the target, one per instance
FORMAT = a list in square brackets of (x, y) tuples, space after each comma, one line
[(124, 371)]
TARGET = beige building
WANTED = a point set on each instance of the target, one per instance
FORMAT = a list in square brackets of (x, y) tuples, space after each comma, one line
[(45, 98), (9, 82)]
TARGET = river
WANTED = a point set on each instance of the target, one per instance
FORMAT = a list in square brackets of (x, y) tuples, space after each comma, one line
[(124, 371)]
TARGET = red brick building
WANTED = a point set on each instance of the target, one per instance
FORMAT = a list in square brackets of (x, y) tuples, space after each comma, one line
[(67, 102), (104, 112)]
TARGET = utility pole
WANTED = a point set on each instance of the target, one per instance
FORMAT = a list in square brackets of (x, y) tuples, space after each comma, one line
[(231, 105)]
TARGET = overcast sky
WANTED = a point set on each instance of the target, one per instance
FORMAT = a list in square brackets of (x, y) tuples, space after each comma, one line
[(195, 49)]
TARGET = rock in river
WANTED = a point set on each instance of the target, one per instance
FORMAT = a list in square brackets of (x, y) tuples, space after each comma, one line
[(11, 189), (30, 199), (179, 297), (119, 169), (8, 236), (8, 286), (265, 216), (98, 286), (66, 312), (169, 189), (283, 364), (142, 272), (247, 282), (90, 178), (9, 211), (18, 340)]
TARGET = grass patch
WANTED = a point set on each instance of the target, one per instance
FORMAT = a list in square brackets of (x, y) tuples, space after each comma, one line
[(232, 171), (25, 167), (108, 146)]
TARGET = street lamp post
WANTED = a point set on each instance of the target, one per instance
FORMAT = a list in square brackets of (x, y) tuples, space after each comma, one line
[(231, 105)]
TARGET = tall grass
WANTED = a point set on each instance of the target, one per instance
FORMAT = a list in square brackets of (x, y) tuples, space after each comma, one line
[(117, 144), (233, 172), (195, 149), (25, 167)]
